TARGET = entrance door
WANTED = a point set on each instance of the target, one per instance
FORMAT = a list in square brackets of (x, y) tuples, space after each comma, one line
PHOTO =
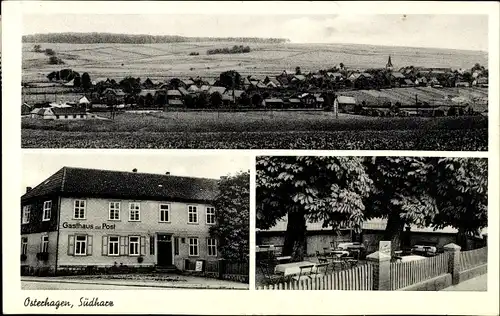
[(164, 250)]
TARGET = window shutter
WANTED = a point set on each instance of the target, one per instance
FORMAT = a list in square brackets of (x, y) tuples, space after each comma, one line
[(104, 245), (89, 245), (143, 246), (71, 245), (122, 245), (151, 245), (126, 246)]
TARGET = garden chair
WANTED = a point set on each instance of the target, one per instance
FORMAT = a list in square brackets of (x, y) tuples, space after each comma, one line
[(320, 269), (305, 272), (270, 276)]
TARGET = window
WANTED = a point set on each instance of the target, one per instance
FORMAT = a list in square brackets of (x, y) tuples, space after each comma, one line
[(193, 247), (26, 214), (164, 213), (210, 215), (47, 206), (192, 214), (212, 246), (176, 246), (134, 212), (45, 244), (24, 245), (81, 245), (133, 246), (79, 211), (114, 211), (113, 246)]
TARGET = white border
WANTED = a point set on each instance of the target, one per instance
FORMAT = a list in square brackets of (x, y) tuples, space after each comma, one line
[(239, 302)]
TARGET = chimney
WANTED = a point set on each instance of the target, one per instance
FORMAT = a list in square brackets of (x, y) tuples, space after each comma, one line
[(28, 189), (167, 173), (134, 170)]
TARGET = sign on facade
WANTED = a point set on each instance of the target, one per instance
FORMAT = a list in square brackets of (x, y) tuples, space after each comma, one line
[(103, 226), (385, 247), (199, 266)]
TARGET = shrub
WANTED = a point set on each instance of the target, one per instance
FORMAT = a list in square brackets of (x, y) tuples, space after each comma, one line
[(23, 257), (43, 256), (54, 60), (50, 52), (140, 259), (194, 54)]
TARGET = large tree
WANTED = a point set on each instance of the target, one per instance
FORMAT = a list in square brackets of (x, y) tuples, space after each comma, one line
[(230, 79), (401, 193), (232, 206), (86, 81), (460, 186), (317, 189)]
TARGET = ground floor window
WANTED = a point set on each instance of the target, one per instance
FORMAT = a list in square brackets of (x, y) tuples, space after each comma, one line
[(24, 245), (81, 245), (212, 246), (45, 244), (133, 245), (193, 247), (114, 246)]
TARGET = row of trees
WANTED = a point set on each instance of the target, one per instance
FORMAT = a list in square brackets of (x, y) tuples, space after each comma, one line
[(95, 37), (346, 191), (233, 50)]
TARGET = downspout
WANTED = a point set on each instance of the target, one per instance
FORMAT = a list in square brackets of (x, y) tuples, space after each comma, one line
[(58, 228)]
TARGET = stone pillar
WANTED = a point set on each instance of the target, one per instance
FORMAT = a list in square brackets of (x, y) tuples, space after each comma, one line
[(453, 251), (381, 270)]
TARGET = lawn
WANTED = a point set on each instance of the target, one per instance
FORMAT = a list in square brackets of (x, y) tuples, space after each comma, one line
[(257, 130)]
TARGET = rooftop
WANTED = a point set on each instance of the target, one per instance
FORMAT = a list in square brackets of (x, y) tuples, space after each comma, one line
[(81, 182)]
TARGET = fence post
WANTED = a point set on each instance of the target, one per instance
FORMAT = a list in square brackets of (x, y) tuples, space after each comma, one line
[(222, 268), (381, 270), (453, 251)]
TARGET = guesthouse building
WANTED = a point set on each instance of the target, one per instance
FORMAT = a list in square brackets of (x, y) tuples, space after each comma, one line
[(87, 218)]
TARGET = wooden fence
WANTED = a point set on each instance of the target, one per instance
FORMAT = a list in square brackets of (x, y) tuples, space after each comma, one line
[(358, 279), (472, 258), (403, 274)]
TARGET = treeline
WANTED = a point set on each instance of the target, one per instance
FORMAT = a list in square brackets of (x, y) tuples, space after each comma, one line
[(234, 50), (91, 38)]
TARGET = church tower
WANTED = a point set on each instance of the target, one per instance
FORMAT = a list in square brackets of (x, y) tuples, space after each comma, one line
[(389, 65)]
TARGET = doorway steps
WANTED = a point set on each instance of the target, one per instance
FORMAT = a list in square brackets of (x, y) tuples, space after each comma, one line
[(167, 269)]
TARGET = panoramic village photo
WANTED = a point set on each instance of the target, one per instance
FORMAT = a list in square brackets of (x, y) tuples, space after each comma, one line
[(95, 222), (371, 223), (365, 82)]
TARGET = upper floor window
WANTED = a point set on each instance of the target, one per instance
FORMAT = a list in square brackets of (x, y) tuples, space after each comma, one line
[(47, 207), (134, 212), (192, 214), (164, 213), (114, 211), (26, 214), (45, 244), (210, 215), (79, 210)]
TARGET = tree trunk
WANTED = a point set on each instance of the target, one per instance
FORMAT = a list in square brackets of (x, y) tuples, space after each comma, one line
[(393, 231), (295, 237), (462, 240)]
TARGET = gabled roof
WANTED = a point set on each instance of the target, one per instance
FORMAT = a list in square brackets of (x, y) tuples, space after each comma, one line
[(145, 92), (273, 100), (300, 77), (175, 102), (397, 75), (345, 100), (117, 92), (67, 111), (174, 93), (237, 93), (79, 182), (221, 90), (183, 90), (187, 82)]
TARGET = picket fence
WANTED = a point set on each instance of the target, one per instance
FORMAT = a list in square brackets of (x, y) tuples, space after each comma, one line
[(358, 278), (403, 274), (472, 258)]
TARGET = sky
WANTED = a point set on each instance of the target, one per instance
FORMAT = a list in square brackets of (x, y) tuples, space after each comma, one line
[(39, 166), (455, 31)]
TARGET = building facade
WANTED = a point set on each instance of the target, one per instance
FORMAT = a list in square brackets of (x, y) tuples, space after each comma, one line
[(87, 217)]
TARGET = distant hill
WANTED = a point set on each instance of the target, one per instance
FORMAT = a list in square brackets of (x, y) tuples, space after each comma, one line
[(92, 38)]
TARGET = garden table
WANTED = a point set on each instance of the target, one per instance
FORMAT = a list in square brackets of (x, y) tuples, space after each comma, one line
[(291, 268)]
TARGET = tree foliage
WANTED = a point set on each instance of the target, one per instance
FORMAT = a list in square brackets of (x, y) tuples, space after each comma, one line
[(232, 206), (317, 189), (86, 81)]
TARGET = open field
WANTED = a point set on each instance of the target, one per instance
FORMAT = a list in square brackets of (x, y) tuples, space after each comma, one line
[(251, 130), (160, 61)]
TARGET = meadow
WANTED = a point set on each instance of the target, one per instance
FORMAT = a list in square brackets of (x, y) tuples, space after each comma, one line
[(252, 130), (162, 61)]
